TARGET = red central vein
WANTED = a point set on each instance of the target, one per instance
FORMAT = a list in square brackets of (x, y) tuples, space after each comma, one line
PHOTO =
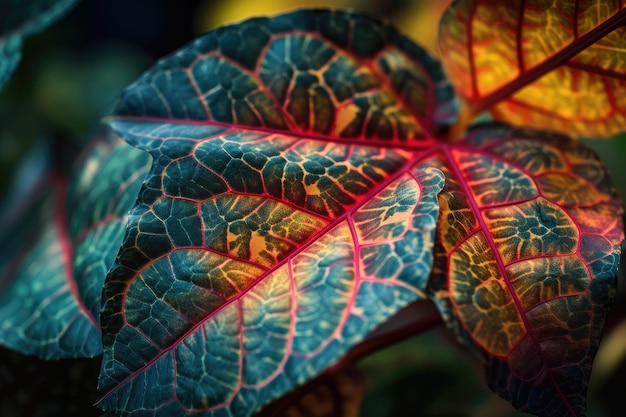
[(305, 245), (492, 245), (484, 227), (411, 144), (614, 22)]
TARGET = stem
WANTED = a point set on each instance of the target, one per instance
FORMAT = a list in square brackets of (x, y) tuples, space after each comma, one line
[(456, 131), (484, 103), (423, 316)]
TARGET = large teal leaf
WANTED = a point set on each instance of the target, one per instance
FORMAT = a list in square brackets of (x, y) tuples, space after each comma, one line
[(58, 242), (20, 18), (284, 217)]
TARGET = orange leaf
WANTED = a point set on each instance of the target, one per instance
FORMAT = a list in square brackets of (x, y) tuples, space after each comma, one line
[(557, 65)]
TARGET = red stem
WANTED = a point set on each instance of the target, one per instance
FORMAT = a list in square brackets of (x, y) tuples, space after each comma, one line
[(425, 316)]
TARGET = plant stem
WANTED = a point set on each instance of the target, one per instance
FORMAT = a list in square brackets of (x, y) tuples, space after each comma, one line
[(456, 131), (424, 316)]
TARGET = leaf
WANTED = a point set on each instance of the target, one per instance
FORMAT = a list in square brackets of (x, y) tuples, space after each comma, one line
[(274, 232), (526, 261), (19, 19), (556, 65), (259, 288), (57, 245), (385, 89)]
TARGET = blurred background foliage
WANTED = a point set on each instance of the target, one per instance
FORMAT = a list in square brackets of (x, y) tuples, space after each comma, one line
[(72, 73)]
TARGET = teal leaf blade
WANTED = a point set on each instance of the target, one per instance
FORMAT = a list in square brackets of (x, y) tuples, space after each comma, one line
[(57, 245), (259, 291), (19, 19), (333, 74), (274, 232)]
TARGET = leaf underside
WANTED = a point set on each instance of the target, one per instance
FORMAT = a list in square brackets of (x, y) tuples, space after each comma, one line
[(274, 232), (20, 19), (57, 245), (558, 65)]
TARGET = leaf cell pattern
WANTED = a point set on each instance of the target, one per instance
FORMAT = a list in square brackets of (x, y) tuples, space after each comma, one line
[(274, 233), (291, 208), (334, 74), (525, 275), (57, 249), (566, 56), (244, 287)]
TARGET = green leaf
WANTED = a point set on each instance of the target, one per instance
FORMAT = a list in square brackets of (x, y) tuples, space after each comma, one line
[(20, 18), (283, 219), (528, 245), (58, 242)]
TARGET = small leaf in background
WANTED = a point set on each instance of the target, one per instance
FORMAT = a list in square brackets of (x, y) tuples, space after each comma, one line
[(526, 261), (274, 232), (557, 65), (57, 245), (20, 18)]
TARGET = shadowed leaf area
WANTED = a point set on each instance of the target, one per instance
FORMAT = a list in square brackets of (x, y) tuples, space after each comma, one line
[(557, 65)]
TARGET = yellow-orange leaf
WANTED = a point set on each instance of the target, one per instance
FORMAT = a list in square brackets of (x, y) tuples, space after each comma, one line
[(557, 65)]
